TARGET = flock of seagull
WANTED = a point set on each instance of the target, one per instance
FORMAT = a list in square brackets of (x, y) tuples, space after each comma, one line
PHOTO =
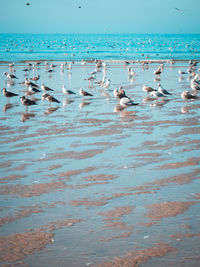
[(124, 101)]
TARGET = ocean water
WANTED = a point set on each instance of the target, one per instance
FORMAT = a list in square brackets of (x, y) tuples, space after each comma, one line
[(16, 47)]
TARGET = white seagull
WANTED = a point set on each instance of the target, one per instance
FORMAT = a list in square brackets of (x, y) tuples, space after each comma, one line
[(162, 90), (127, 102)]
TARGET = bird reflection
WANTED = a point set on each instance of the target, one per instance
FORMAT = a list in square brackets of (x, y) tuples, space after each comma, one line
[(105, 94), (185, 109), (157, 78), (118, 108), (84, 103), (148, 99), (159, 103), (67, 101), (27, 116), (50, 110), (7, 106), (10, 83)]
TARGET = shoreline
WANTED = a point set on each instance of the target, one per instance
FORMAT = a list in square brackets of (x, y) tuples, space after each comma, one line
[(129, 61)]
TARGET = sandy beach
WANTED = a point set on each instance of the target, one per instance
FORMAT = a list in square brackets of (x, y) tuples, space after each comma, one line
[(87, 182)]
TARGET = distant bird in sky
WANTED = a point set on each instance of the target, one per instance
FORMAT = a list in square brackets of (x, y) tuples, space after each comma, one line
[(178, 9)]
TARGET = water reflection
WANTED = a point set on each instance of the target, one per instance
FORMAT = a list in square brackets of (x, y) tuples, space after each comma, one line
[(159, 103), (118, 108), (7, 106), (84, 103), (67, 101), (50, 110), (10, 83), (27, 116)]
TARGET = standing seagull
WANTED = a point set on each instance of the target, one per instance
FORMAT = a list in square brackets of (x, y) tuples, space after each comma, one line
[(157, 94), (67, 91), (46, 88), (27, 102), (148, 89), (10, 76), (84, 93), (127, 102), (158, 71), (119, 93), (29, 83), (36, 78), (186, 95), (50, 98), (8, 94), (162, 90)]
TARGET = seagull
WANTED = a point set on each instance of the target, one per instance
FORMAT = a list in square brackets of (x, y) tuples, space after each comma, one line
[(8, 94), (131, 72), (11, 65), (50, 98), (46, 88), (181, 72), (157, 94), (84, 93), (10, 76), (44, 96), (162, 90), (67, 91), (36, 78), (27, 102), (178, 9), (53, 66), (158, 71), (106, 84), (186, 95), (195, 85), (33, 89), (127, 102), (148, 89), (91, 79), (29, 83), (119, 93)]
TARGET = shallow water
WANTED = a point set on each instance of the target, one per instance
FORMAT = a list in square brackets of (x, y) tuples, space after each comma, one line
[(98, 46), (84, 182)]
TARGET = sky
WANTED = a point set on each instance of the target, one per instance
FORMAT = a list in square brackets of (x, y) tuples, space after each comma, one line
[(100, 16)]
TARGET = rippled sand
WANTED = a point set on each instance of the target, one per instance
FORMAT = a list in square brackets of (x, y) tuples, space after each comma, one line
[(88, 183)]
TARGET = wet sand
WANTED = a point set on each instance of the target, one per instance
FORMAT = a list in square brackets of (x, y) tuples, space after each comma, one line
[(86, 182)]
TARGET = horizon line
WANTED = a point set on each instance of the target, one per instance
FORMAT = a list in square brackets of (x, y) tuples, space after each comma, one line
[(98, 33)]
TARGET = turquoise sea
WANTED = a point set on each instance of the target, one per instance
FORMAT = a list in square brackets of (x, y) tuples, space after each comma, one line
[(18, 47)]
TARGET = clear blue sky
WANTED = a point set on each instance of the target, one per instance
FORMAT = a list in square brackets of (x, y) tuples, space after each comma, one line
[(100, 16)]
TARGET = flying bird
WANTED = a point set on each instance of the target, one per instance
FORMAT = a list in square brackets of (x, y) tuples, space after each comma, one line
[(178, 9)]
